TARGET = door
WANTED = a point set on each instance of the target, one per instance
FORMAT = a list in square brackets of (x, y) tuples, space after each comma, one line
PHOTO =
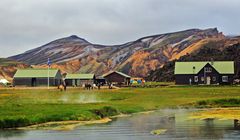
[(208, 80), (73, 82), (34, 82), (78, 82)]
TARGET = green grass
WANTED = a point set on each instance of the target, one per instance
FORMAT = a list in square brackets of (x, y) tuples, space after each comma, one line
[(26, 107)]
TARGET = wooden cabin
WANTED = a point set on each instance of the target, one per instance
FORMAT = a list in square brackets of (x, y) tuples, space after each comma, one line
[(200, 73), (117, 78), (37, 77), (100, 80), (79, 79)]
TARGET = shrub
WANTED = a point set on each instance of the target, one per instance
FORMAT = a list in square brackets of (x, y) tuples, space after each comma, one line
[(220, 102), (202, 103), (106, 111), (14, 122)]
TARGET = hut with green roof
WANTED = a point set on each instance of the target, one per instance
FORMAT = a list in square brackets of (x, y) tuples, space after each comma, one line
[(79, 79), (37, 77), (208, 72)]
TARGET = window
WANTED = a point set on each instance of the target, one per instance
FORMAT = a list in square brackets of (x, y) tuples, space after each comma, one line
[(208, 69), (224, 78), (214, 78), (195, 78), (202, 78)]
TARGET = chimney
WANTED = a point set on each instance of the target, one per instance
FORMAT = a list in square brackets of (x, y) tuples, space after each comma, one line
[(212, 61)]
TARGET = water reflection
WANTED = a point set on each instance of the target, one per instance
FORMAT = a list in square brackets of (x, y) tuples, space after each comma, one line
[(11, 133), (138, 127), (236, 124)]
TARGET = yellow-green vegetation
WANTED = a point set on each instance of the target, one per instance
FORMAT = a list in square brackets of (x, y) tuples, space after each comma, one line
[(221, 114), (23, 107), (158, 131), (152, 84), (64, 125)]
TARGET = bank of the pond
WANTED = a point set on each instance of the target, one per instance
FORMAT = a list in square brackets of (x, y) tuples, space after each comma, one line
[(63, 125), (71, 125), (19, 108), (217, 113)]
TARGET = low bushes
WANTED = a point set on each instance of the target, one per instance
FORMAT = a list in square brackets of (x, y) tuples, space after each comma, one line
[(106, 111), (22, 121), (14, 122), (231, 102)]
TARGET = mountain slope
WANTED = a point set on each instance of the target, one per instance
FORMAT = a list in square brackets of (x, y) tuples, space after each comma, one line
[(9, 67), (137, 58), (227, 49)]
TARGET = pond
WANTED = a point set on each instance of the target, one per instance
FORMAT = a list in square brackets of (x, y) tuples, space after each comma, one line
[(177, 124)]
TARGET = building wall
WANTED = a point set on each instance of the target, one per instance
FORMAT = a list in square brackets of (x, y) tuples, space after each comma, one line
[(79, 82), (69, 82), (36, 81), (22, 81), (230, 79), (184, 79), (181, 79), (83, 82)]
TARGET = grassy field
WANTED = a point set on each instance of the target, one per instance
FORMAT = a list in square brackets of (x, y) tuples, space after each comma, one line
[(33, 106)]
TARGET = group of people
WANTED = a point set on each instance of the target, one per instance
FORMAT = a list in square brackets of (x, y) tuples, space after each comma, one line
[(137, 81)]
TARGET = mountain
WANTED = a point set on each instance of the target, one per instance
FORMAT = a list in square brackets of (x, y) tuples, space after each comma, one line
[(137, 58), (227, 49), (9, 67)]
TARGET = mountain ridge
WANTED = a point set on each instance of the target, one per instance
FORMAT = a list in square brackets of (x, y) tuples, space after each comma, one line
[(74, 54)]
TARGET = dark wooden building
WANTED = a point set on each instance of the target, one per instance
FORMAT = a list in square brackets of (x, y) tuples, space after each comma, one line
[(80, 79), (100, 80), (117, 78), (37, 77), (197, 73)]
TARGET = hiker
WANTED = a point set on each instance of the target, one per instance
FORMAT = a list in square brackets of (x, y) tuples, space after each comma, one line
[(110, 85), (65, 87), (190, 81), (99, 86)]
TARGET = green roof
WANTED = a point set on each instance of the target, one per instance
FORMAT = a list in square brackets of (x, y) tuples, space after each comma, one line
[(123, 74), (223, 67), (35, 73), (79, 76)]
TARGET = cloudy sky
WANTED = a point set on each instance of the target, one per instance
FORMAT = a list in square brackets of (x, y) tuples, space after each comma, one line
[(27, 24)]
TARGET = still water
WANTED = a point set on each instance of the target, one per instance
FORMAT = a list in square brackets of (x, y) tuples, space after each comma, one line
[(138, 127)]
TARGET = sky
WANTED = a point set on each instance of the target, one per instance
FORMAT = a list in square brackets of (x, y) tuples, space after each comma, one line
[(27, 24)]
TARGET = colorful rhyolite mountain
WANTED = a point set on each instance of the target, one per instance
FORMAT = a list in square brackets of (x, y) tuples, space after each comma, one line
[(137, 58), (9, 67)]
